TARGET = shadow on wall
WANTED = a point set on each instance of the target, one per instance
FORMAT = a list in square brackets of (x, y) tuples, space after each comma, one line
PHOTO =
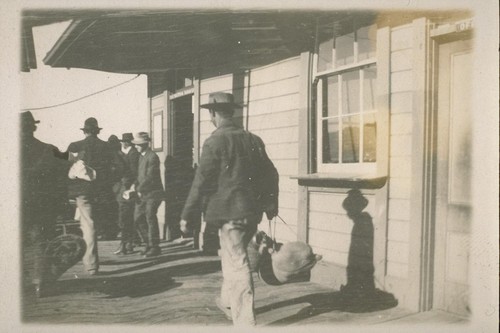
[(360, 286)]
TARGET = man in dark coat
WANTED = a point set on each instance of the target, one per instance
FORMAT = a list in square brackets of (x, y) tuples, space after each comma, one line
[(43, 193), (234, 184), (149, 189), (91, 195), (128, 161)]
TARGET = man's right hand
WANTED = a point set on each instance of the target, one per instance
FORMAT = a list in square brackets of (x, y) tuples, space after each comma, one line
[(184, 226)]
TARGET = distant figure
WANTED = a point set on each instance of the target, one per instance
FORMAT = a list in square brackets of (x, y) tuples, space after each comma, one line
[(114, 143), (43, 194), (149, 189), (128, 161), (91, 195), (109, 229), (234, 184)]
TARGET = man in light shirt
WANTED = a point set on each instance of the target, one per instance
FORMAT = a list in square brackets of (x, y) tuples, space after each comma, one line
[(149, 189)]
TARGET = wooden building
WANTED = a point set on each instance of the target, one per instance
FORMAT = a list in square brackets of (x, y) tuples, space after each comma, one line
[(347, 102)]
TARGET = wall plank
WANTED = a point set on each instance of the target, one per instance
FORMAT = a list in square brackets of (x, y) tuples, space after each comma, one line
[(401, 60), (277, 71)]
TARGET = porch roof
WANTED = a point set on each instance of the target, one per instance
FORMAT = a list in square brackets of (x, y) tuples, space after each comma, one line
[(147, 41)]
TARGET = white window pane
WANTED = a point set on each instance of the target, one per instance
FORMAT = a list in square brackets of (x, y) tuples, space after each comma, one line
[(350, 92), (350, 139), (330, 97), (344, 50), (369, 86), (325, 54), (370, 138), (330, 141), (367, 42)]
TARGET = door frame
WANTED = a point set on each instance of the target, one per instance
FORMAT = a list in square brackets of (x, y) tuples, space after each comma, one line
[(427, 38)]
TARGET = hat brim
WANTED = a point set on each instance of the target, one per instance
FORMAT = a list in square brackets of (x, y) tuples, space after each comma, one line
[(87, 128), (215, 106), (139, 142)]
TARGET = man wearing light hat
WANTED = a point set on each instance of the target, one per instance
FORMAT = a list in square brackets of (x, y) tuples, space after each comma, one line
[(149, 189), (91, 194), (235, 183)]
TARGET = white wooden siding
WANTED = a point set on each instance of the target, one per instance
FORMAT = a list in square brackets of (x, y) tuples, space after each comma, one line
[(329, 226), (401, 123), (401, 38), (400, 151), (273, 115), (401, 102), (400, 166), (157, 102), (283, 69), (400, 188)]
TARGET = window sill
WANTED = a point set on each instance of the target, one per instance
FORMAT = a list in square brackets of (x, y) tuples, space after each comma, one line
[(341, 180)]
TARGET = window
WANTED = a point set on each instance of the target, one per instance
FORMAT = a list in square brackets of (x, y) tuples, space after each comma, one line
[(346, 76)]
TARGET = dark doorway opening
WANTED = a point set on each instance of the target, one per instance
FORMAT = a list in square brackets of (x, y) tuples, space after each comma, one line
[(179, 163)]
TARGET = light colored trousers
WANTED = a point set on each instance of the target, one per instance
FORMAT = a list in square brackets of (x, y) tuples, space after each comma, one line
[(87, 224), (237, 289)]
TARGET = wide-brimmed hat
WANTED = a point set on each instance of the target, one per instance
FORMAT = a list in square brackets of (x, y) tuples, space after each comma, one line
[(127, 137), (90, 123), (219, 100), (355, 201), (27, 118), (141, 138)]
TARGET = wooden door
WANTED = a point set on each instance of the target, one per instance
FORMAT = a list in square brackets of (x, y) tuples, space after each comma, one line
[(453, 191)]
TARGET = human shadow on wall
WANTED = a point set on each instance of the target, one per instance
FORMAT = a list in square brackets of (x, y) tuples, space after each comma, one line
[(360, 287)]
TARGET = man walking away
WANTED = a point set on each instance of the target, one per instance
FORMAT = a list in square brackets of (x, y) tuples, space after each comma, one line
[(149, 189), (91, 193), (235, 183)]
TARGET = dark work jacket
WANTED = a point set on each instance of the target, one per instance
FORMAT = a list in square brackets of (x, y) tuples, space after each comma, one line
[(148, 181), (127, 165), (235, 178), (43, 182), (96, 154)]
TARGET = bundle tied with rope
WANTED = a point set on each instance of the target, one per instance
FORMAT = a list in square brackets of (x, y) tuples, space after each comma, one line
[(279, 263)]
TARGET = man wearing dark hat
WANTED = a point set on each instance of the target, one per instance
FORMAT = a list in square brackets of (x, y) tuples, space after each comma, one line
[(91, 195), (235, 183), (149, 189), (128, 160), (43, 193)]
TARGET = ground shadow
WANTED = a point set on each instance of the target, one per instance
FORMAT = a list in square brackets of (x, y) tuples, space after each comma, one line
[(332, 301), (139, 284), (133, 259)]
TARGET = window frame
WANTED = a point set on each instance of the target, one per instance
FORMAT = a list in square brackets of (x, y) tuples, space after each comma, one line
[(368, 168)]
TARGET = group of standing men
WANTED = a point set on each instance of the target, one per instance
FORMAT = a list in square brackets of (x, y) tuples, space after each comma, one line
[(132, 172), (135, 171)]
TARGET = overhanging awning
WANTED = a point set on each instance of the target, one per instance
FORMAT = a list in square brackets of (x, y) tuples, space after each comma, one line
[(144, 42)]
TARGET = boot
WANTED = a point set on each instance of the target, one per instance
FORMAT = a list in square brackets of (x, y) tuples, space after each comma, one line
[(121, 250), (146, 250), (129, 247), (153, 252)]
